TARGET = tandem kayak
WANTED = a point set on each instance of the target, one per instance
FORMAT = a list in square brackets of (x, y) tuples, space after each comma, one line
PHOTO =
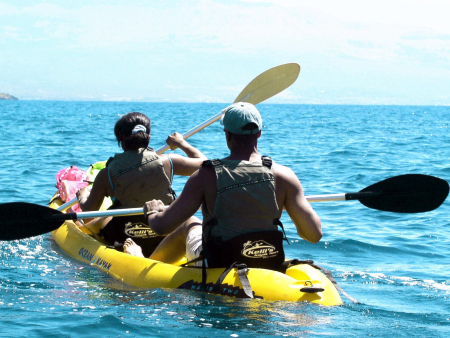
[(300, 283)]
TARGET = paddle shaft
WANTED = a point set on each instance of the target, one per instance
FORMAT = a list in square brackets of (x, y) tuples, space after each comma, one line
[(69, 204), (94, 214), (140, 211), (194, 130), (340, 197), (311, 199)]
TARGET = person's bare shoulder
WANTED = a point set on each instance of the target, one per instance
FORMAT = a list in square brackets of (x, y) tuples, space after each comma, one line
[(283, 175), (206, 175), (201, 179), (202, 184), (102, 179)]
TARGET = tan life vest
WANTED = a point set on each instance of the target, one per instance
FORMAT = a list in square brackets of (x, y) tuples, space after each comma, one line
[(138, 176), (245, 200)]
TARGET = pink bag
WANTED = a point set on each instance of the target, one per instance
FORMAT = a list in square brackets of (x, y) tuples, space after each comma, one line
[(69, 181)]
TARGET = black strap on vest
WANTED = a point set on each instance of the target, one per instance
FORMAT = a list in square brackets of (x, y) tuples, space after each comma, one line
[(172, 192), (211, 163), (266, 161), (204, 275), (327, 273), (277, 222), (109, 161)]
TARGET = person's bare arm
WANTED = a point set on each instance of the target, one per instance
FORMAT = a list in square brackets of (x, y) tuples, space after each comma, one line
[(300, 211), (91, 200), (176, 141), (188, 202), (184, 166)]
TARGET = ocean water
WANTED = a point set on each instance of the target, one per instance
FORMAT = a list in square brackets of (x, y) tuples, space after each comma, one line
[(396, 265)]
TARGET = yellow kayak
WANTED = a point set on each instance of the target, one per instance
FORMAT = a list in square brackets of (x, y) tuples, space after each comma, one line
[(146, 273)]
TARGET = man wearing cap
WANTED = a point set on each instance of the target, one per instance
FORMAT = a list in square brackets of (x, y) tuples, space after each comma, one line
[(242, 198)]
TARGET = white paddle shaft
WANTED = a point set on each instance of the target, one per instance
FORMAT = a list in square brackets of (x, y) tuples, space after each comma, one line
[(140, 211), (105, 213), (108, 213), (326, 198), (67, 205), (194, 131)]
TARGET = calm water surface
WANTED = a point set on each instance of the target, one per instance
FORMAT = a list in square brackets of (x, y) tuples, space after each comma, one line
[(396, 265)]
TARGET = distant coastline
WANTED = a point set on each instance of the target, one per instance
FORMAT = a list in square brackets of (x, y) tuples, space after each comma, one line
[(7, 97)]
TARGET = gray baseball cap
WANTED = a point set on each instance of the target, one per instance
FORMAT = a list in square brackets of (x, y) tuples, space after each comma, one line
[(241, 118)]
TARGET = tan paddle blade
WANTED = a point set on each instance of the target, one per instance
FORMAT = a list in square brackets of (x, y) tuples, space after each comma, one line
[(269, 83)]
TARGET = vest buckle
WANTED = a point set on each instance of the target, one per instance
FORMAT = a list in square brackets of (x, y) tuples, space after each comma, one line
[(216, 162), (266, 161)]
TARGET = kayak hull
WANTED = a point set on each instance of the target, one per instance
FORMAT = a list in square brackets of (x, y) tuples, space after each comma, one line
[(146, 273)]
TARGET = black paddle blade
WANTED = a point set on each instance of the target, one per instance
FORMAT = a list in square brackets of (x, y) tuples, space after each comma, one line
[(411, 193), (22, 220)]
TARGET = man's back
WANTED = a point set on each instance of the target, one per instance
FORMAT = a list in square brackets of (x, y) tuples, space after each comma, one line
[(289, 196)]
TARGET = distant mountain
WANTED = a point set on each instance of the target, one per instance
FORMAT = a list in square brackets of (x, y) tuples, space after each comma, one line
[(7, 97)]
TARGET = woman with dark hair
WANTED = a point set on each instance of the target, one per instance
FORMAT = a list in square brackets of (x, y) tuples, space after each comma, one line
[(135, 176)]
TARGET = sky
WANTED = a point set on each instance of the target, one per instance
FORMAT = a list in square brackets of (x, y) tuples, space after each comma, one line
[(350, 51)]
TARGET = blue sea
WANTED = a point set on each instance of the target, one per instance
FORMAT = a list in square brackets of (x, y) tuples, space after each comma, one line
[(396, 265)]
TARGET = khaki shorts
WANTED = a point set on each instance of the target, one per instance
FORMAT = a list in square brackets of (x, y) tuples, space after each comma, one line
[(194, 244)]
